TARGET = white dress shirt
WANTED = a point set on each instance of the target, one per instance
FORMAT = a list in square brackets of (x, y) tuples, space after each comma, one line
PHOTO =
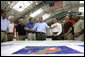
[(11, 27), (41, 27), (57, 29)]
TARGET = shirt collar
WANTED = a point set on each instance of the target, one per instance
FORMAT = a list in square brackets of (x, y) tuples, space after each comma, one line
[(10, 22), (2, 18), (56, 23), (40, 22), (30, 23)]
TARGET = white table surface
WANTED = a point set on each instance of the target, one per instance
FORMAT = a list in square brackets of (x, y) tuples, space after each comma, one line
[(7, 48)]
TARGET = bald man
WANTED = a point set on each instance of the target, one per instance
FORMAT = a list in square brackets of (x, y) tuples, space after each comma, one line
[(20, 32)]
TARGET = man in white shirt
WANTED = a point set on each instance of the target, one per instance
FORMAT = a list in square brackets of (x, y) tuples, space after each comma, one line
[(11, 28), (57, 30)]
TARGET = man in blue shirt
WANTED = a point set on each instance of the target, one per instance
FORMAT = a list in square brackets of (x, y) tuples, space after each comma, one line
[(40, 28), (31, 34), (4, 26)]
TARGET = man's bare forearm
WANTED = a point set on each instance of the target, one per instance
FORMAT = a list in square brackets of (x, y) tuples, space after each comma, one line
[(28, 29), (81, 32), (52, 27), (16, 35), (69, 30), (31, 29)]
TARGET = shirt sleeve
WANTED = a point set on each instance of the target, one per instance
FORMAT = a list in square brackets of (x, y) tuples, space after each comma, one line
[(60, 29), (51, 26), (47, 27), (13, 26), (17, 28), (35, 27), (70, 24), (7, 24), (28, 25), (82, 24), (24, 25)]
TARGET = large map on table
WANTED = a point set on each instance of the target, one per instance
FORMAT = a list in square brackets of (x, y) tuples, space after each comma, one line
[(47, 50)]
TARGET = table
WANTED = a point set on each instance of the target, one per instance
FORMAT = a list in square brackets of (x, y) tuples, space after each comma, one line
[(8, 48)]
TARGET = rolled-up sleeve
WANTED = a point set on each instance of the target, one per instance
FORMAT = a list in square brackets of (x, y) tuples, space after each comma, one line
[(17, 29), (82, 24), (60, 29), (35, 27), (7, 24), (47, 27)]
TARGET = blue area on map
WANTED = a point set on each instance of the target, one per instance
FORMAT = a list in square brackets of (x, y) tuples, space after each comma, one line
[(36, 49), (81, 45)]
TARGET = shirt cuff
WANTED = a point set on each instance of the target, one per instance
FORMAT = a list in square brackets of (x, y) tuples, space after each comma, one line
[(57, 33)]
